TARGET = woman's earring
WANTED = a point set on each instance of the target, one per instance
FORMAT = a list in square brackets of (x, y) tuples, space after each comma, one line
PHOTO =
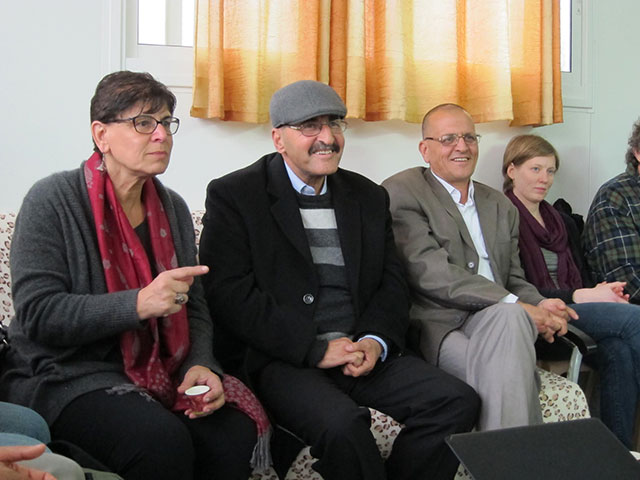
[(101, 167)]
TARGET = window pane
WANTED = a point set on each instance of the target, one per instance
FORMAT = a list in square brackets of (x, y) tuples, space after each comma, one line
[(565, 35), (188, 22), (162, 22), (152, 16)]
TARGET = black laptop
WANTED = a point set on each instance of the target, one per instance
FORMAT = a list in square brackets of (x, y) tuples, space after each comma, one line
[(579, 449)]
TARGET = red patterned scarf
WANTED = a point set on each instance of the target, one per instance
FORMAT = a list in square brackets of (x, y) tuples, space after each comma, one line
[(152, 355)]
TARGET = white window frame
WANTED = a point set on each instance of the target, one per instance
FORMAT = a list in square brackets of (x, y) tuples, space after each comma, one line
[(171, 65), (112, 55), (577, 85)]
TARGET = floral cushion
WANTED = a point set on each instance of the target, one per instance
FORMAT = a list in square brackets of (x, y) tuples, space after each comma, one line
[(559, 399), (7, 224)]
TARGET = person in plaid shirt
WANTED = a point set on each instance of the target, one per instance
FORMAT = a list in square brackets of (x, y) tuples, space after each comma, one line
[(612, 229)]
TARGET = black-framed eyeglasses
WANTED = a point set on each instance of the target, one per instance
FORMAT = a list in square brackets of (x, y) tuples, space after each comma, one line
[(452, 139), (313, 128), (147, 124)]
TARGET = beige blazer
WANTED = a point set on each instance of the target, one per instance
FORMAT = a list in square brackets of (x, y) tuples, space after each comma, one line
[(440, 258)]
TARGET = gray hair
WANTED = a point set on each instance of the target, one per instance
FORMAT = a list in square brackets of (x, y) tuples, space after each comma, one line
[(634, 146)]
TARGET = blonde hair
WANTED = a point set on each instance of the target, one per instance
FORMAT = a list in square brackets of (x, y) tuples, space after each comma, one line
[(520, 149)]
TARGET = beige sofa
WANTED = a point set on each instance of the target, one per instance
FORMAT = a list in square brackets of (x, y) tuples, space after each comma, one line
[(559, 399)]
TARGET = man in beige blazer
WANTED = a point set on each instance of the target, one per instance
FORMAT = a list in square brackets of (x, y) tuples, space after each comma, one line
[(473, 313)]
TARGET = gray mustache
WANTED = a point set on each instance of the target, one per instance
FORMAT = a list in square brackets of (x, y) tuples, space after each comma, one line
[(321, 146)]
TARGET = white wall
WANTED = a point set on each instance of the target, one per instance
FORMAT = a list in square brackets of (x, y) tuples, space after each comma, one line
[(53, 56)]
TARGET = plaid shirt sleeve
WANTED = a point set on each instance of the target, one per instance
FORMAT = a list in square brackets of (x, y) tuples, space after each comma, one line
[(612, 233)]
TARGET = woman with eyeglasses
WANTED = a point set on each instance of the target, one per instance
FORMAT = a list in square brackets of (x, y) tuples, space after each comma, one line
[(552, 259), (111, 326)]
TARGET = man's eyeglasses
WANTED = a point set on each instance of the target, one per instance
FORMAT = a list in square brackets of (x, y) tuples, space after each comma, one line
[(146, 124), (452, 139), (313, 128)]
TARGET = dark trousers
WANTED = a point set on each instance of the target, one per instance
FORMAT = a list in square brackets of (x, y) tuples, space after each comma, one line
[(138, 438), (326, 409)]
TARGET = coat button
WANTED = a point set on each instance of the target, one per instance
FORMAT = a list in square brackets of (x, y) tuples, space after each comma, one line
[(471, 264), (308, 298)]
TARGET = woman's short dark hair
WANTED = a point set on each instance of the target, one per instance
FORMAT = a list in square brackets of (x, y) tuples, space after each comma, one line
[(119, 91), (520, 149), (634, 144)]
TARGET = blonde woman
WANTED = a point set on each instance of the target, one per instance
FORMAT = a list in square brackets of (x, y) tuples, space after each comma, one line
[(552, 259)]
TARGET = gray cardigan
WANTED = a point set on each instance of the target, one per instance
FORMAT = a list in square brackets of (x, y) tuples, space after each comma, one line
[(65, 334)]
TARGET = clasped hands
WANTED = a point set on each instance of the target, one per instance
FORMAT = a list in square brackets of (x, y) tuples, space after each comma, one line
[(356, 358), (550, 317), (612, 292)]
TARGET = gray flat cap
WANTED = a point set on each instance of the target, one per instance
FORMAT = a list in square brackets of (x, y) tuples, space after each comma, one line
[(302, 100)]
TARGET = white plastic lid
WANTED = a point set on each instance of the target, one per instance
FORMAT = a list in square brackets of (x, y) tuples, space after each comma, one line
[(197, 390)]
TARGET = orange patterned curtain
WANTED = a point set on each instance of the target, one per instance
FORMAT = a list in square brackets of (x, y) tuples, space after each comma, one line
[(388, 59)]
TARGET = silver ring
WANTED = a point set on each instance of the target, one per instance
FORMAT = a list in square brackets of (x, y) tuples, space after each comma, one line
[(180, 299)]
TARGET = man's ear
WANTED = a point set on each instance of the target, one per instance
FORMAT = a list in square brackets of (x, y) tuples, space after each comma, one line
[(99, 134), (424, 150), (276, 136)]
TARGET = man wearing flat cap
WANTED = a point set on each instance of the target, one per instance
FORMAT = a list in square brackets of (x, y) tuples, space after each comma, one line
[(310, 302)]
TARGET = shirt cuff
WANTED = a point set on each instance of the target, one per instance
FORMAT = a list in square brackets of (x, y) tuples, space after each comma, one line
[(383, 344), (511, 298)]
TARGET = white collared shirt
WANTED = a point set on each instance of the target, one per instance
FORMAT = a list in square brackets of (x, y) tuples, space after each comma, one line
[(469, 214)]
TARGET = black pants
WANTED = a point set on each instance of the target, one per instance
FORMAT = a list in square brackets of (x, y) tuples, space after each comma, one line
[(324, 408), (140, 439)]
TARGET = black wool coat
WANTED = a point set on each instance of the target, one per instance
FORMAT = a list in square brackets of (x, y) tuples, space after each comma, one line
[(262, 285)]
